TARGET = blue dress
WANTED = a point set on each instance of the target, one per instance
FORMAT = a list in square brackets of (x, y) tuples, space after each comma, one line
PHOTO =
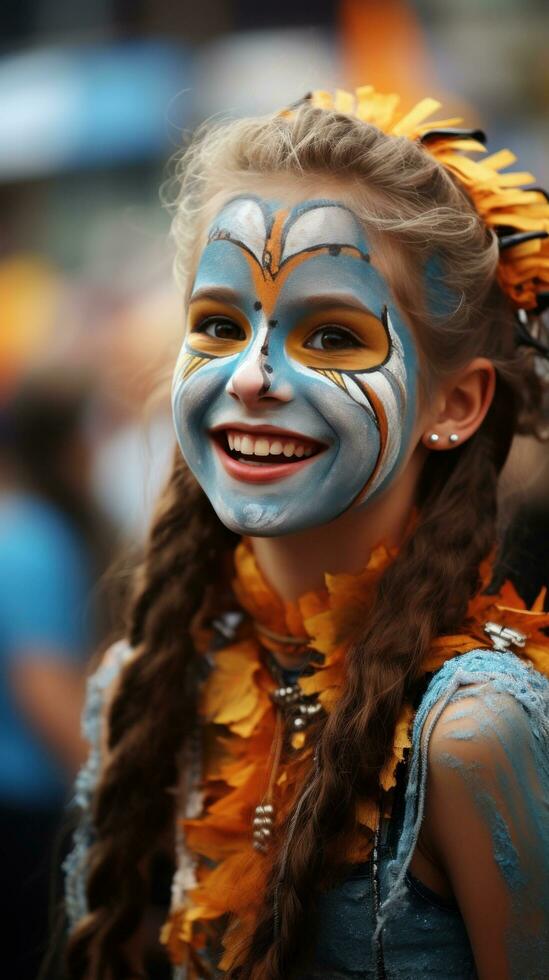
[(382, 923)]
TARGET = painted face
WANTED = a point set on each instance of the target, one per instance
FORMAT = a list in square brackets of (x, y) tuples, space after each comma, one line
[(294, 394)]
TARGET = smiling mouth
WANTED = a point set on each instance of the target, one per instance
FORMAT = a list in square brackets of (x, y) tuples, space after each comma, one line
[(263, 455)]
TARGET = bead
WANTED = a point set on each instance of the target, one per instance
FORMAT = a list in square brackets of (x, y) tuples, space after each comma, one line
[(503, 637), (453, 438), (434, 437), (298, 740), (286, 695), (299, 723), (262, 825)]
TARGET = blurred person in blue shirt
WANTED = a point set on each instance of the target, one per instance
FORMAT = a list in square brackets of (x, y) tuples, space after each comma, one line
[(49, 544)]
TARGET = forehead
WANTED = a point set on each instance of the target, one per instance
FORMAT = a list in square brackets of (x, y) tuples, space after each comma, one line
[(271, 253), (274, 234)]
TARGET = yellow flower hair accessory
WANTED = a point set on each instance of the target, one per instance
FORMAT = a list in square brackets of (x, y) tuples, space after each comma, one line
[(519, 217)]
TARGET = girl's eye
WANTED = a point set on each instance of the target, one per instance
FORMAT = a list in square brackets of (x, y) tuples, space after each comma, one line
[(221, 328), (333, 338)]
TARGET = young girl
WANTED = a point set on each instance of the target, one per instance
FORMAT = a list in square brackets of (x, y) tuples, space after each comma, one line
[(339, 732)]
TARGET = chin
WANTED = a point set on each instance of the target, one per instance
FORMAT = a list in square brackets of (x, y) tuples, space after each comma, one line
[(259, 520)]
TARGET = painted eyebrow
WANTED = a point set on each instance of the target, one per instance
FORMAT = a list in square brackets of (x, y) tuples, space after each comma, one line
[(223, 294), (343, 300)]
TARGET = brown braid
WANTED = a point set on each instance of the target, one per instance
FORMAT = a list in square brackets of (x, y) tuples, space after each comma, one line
[(151, 716)]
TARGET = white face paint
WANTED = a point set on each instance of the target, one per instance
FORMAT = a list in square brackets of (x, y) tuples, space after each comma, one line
[(294, 394)]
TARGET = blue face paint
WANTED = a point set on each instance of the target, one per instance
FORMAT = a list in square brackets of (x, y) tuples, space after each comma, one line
[(294, 395)]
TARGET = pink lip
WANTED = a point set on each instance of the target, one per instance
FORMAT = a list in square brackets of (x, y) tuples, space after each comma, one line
[(259, 474)]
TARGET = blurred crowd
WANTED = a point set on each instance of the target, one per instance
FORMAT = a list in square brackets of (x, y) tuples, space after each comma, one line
[(94, 100)]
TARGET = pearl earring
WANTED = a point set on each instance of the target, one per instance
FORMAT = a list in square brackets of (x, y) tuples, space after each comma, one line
[(453, 438), (434, 437)]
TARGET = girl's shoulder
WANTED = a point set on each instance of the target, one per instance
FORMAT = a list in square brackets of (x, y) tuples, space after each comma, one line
[(477, 708), (487, 710), (502, 665), (489, 678), (479, 762)]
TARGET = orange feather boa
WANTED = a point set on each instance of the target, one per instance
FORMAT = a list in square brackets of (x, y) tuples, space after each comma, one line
[(238, 730)]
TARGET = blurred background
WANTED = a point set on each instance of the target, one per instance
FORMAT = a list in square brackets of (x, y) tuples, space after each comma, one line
[(95, 97)]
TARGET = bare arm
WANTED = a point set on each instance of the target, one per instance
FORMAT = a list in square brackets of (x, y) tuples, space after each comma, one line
[(486, 822), (49, 692)]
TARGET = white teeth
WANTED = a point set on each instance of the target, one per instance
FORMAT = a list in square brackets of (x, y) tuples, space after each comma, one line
[(261, 447)]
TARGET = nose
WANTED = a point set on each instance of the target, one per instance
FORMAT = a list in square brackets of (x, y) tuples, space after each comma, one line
[(253, 382), (248, 384)]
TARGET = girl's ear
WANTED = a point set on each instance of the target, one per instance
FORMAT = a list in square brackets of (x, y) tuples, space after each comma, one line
[(460, 405)]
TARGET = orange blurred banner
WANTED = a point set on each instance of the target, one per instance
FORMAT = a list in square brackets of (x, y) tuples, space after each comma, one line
[(384, 45)]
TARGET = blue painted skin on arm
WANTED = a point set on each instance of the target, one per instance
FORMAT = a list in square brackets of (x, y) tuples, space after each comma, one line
[(362, 418), (503, 704), (511, 795), (505, 853)]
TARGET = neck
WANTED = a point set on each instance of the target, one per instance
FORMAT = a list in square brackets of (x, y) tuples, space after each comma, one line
[(294, 564)]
